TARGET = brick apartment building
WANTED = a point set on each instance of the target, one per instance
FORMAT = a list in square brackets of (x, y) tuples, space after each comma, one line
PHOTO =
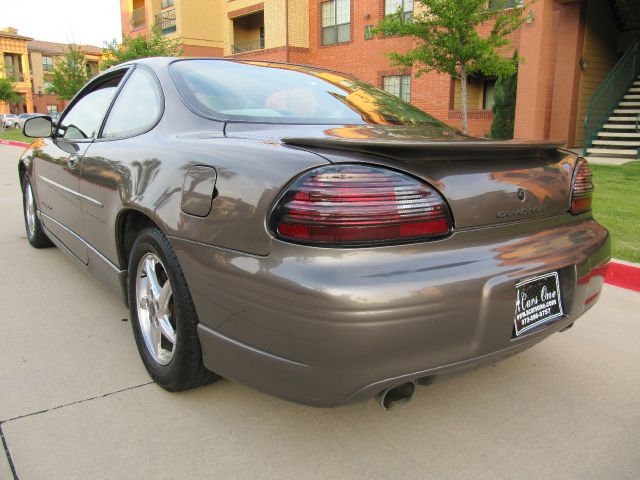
[(569, 47), (43, 56), (30, 63)]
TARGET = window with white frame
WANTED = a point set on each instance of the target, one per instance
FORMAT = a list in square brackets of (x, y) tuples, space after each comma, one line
[(336, 22), (166, 4), (52, 109), (391, 6), (398, 85)]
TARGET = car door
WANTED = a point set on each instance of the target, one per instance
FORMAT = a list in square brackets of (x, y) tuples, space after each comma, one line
[(118, 161), (58, 163)]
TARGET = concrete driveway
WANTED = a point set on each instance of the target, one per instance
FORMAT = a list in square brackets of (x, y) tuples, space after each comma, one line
[(76, 403)]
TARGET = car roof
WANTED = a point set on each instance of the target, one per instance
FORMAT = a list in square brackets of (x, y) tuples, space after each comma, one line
[(164, 62)]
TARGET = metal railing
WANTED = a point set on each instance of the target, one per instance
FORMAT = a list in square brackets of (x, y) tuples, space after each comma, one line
[(609, 93), (138, 17), (242, 47), (166, 21)]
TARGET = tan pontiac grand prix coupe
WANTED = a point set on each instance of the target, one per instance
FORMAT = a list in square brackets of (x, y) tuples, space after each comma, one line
[(302, 232)]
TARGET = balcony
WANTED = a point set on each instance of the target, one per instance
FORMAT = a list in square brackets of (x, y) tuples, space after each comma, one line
[(249, 46), (13, 74), (166, 21), (138, 18), (248, 33)]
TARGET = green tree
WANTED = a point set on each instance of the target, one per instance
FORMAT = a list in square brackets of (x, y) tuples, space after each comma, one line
[(69, 74), (8, 91), (447, 40), (504, 107), (153, 45)]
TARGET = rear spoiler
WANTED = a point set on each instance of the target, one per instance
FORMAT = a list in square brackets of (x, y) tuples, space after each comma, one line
[(422, 146)]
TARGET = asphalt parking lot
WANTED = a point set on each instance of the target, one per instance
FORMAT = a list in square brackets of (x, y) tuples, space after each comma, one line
[(76, 402)]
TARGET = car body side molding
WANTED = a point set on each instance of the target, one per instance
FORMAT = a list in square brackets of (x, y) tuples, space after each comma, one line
[(71, 191)]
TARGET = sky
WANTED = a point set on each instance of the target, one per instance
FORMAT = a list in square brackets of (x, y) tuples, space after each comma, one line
[(64, 21)]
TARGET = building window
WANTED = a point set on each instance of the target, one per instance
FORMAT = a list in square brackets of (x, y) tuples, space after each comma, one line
[(92, 68), (368, 32), (504, 4), (248, 33), (138, 14), (47, 64), (166, 4), (166, 21), (13, 68), (391, 7), (52, 109), (336, 22), (488, 99), (46, 87), (480, 93), (398, 85)]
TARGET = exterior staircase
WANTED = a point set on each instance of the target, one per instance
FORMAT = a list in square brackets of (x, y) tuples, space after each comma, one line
[(612, 125), (619, 137)]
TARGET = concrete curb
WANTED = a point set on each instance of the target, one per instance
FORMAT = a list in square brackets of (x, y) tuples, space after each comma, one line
[(13, 143)]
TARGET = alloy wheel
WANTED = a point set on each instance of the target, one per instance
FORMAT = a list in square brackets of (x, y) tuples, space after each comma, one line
[(30, 211), (154, 300)]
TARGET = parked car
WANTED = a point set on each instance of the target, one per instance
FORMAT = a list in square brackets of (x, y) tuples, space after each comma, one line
[(303, 232), (9, 120), (55, 116), (24, 117)]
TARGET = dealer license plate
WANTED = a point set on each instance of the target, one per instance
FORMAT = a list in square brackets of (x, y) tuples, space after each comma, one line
[(538, 301)]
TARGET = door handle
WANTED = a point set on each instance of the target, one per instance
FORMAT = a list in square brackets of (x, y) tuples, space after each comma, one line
[(73, 160)]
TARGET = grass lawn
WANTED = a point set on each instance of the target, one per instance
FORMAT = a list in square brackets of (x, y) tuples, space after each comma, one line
[(16, 135), (616, 205)]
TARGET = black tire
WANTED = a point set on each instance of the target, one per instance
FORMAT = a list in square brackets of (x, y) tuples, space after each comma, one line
[(36, 236), (185, 369)]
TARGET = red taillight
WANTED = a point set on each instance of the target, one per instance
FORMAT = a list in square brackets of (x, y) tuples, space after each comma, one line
[(358, 204), (582, 188)]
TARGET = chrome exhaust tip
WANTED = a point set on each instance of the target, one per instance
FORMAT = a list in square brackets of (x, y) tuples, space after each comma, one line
[(393, 397)]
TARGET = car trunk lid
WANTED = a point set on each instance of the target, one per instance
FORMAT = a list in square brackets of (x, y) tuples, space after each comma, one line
[(485, 182)]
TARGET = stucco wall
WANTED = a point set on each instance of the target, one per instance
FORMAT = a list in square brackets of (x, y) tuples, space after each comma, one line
[(201, 22), (17, 46)]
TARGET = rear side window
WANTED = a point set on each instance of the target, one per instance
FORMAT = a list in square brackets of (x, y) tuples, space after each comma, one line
[(137, 108), (84, 118)]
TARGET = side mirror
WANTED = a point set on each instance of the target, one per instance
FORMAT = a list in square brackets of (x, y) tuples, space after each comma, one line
[(38, 127)]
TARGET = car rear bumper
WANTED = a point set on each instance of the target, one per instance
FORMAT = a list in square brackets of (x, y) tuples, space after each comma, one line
[(324, 326)]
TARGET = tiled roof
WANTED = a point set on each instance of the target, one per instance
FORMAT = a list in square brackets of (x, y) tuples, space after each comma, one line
[(11, 33), (60, 48)]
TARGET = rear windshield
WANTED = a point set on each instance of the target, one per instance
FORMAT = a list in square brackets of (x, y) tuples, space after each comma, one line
[(273, 93)]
